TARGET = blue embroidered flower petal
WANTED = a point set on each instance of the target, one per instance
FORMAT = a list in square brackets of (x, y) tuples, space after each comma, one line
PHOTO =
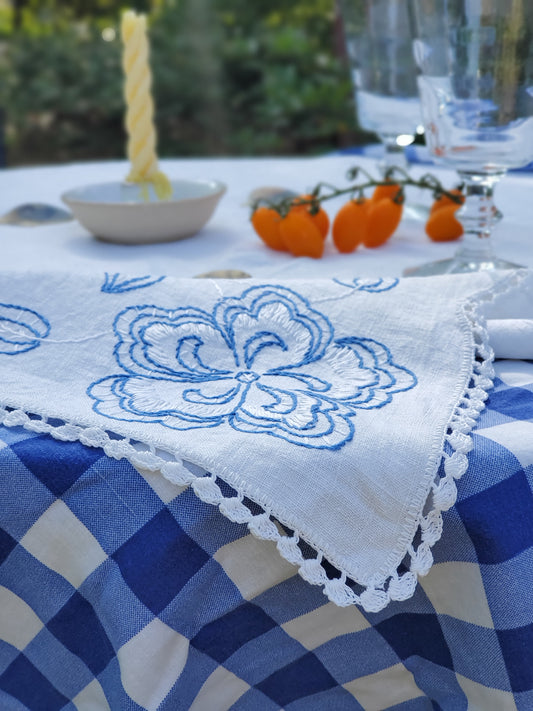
[(293, 411), (121, 399), (312, 423), (109, 400), (340, 374), (304, 332), (264, 362), (256, 343), (282, 339), (390, 378), (21, 329), (211, 400), (154, 340)]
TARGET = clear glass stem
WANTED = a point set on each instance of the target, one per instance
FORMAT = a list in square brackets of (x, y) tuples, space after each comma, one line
[(478, 215), (394, 151), (395, 157)]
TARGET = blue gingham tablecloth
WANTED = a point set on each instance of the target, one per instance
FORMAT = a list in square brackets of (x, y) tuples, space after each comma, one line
[(118, 591)]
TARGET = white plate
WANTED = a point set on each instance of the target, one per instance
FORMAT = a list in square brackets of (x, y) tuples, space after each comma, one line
[(120, 212)]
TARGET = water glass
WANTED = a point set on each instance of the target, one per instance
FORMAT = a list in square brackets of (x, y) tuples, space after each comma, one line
[(475, 62), (379, 47)]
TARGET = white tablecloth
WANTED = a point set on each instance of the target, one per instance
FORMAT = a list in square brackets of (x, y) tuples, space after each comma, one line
[(228, 240)]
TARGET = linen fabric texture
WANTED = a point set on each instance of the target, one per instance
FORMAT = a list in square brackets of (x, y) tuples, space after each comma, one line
[(330, 416)]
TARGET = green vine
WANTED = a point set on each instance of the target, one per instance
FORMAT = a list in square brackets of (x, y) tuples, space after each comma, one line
[(324, 191)]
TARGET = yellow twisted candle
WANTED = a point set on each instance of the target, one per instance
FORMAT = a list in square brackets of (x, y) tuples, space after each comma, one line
[(140, 106)]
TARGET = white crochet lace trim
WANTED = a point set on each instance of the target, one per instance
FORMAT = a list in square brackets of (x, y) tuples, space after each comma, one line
[(341, 591)]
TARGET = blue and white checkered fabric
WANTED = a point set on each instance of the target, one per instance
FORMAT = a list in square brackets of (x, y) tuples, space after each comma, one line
[(119, 591)]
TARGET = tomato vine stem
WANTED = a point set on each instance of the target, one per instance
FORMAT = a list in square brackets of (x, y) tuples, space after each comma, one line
[(325, 191)]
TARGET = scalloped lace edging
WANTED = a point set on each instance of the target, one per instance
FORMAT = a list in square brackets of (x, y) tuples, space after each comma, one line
[(339, 589)]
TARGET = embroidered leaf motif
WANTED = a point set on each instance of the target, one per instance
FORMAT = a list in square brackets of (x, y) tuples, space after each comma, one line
[(21, 329), (265, 362), (373, 286), (113, 285)]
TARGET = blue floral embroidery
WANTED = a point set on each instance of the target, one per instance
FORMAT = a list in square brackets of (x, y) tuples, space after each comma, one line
[(112, 285), (21, 329), (264, 362), (373, 286)]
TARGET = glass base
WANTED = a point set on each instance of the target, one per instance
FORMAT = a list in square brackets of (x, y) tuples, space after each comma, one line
[(459, 265), (415, 212)]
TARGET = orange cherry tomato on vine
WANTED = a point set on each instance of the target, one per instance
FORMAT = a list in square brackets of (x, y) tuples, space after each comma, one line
[(266, 222), (445, 201), (301, 235), (383, 218), (350, 225), (390, 190), (320, 218), (443, 226)]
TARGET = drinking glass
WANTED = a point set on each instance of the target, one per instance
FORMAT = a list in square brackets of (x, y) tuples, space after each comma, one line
[(379, 47), (475, 62)]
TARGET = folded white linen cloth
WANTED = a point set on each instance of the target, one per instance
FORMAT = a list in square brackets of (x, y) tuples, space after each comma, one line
[(511, 338), (510, 324), (328, 404)]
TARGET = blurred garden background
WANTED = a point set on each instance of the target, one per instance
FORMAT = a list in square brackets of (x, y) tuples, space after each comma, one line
[(231, 77)]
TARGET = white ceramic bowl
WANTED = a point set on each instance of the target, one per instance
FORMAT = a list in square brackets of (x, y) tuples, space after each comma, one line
[(119, 212)]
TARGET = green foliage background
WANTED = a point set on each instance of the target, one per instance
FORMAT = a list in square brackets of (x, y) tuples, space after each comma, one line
[(231, 77)]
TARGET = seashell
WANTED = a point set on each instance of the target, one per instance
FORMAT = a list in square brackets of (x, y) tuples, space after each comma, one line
[(33, 213), (224, 274), (269, 194)]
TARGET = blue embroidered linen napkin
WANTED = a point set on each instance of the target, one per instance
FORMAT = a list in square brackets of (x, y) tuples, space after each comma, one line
[(331, 417)]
